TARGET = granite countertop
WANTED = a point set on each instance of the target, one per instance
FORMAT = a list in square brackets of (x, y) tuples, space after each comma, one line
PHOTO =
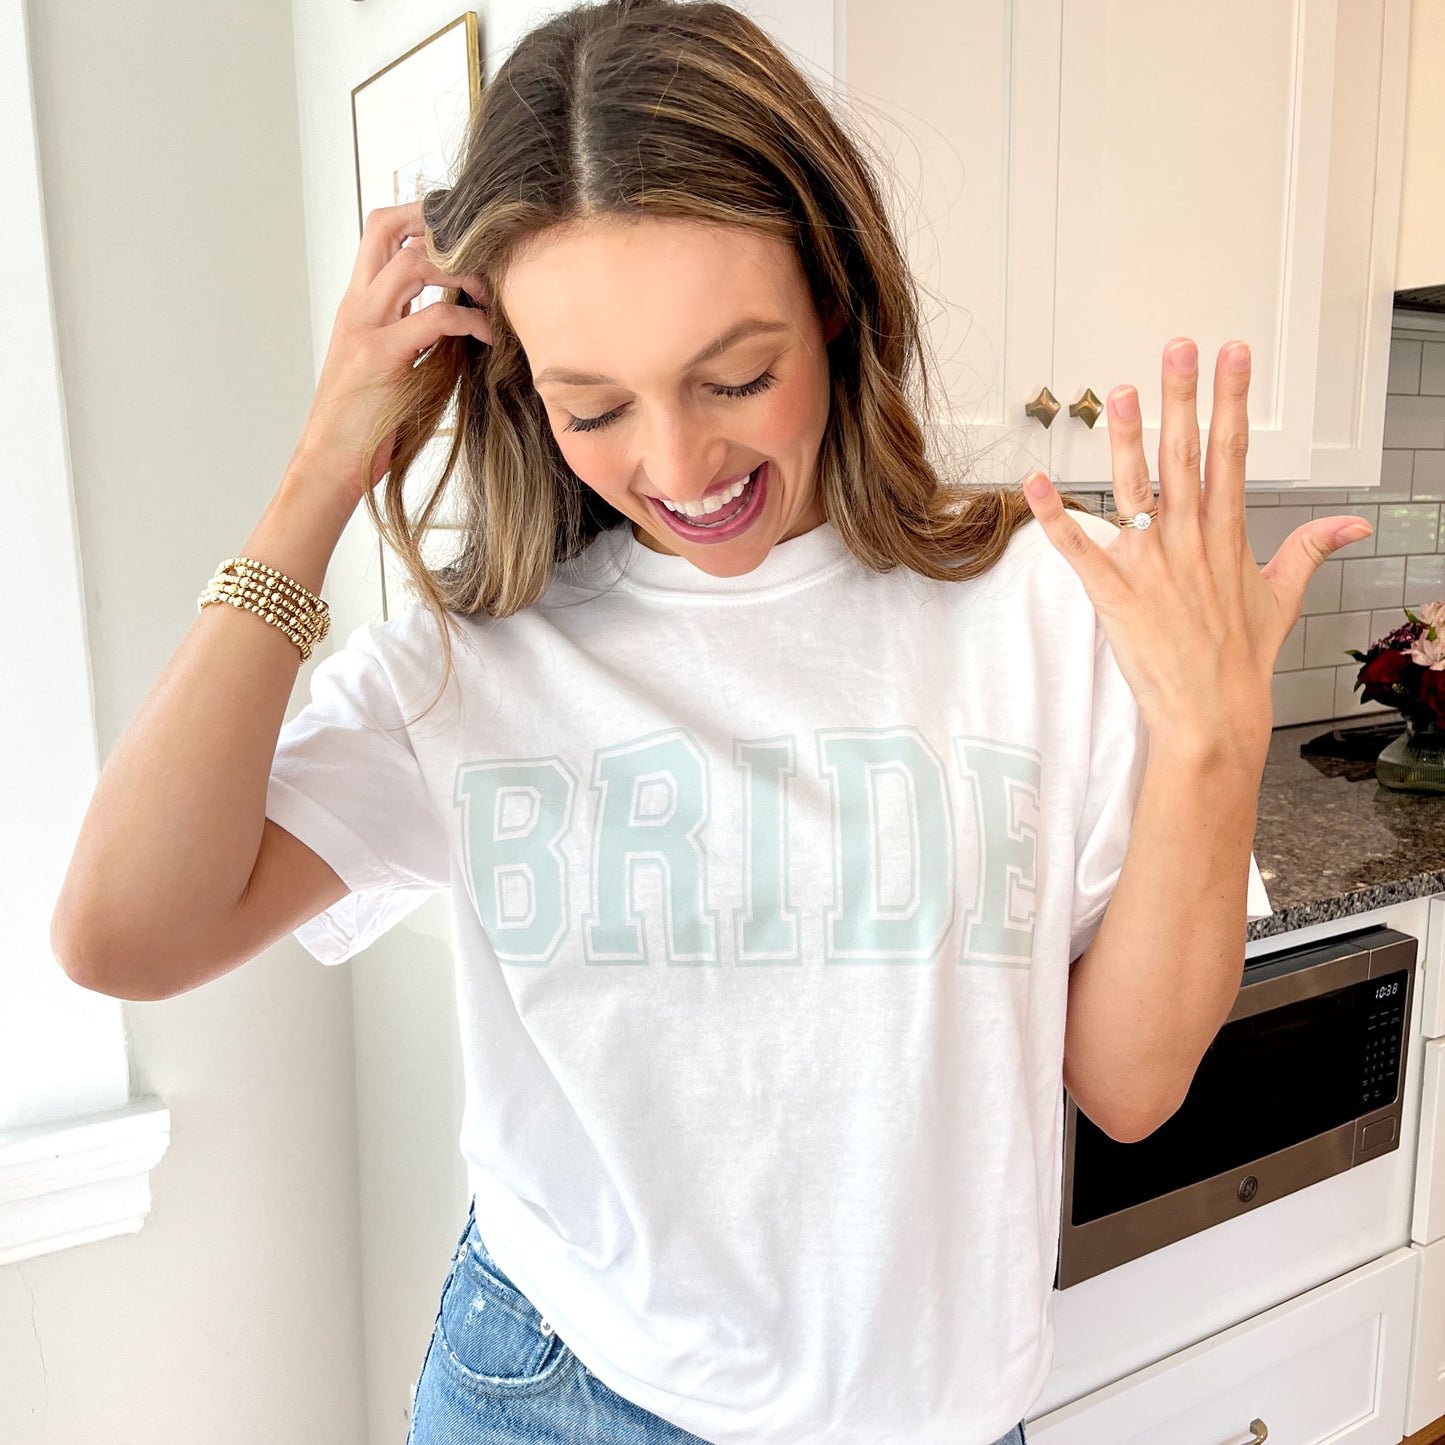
[(1331, 841)]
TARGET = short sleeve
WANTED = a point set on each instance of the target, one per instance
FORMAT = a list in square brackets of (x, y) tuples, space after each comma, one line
[(346, 781), (1118, 757)]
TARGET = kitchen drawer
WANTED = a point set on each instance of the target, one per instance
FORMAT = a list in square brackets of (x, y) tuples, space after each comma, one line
[(1330, 1365)]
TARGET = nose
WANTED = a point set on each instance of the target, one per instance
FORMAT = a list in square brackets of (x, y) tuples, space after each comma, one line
[(682, 468)]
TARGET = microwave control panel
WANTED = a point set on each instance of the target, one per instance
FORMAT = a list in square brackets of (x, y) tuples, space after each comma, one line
[(1384, 1028)]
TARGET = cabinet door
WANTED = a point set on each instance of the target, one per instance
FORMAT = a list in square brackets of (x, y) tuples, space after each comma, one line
[(1076, 183), (1329, 1366), (1426, 1400), (957, 107), (1194, 146), (1362, 225)]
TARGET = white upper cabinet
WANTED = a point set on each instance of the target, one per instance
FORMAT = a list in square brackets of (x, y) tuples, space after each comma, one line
[(1421, 249), (1078, 181)]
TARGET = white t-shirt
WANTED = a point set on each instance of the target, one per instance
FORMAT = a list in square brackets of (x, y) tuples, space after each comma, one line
[(764, 890)]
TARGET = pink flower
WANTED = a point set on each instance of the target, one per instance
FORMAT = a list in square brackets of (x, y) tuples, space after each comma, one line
[(1432, 614), (1429, 651)]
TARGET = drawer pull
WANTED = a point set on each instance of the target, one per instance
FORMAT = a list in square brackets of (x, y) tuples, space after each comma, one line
[(1260, 1432)]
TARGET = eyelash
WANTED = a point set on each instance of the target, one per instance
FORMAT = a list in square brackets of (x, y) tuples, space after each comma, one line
[(750, 388)]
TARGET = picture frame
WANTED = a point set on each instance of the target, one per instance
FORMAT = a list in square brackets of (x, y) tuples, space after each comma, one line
[(409, 123), (409, 120)]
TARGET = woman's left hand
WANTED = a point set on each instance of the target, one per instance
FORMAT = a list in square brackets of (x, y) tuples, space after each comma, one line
[(1195, 624)]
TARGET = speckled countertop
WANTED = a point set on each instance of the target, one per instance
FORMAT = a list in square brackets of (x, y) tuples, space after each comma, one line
[(1330, 841)]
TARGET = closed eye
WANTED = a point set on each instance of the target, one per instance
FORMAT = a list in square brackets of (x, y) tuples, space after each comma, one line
[(750, 388)]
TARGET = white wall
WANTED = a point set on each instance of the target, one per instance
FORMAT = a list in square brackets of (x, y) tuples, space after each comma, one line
[(172, 181)]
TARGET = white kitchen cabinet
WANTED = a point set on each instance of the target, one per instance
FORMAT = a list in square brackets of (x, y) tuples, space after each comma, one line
[(1362, 226), (1078, 182), (1425, 1401), (1432, 981), (1330, 1365), (1427, 1222)]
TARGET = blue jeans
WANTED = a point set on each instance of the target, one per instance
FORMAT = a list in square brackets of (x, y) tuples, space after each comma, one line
[(496, 1373)]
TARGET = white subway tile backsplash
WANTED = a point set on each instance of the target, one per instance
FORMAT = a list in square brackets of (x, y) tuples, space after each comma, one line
[(1429, 475), (1322, 594), (1396, 465), (1424, 579), (1371, 582), (1404, 378), (1347, 698), (1268, 527), (1292, 650), (1406, 527), (1432, 371), (1386, 620), (1328, 634), (1415, 421), (1300, 697)]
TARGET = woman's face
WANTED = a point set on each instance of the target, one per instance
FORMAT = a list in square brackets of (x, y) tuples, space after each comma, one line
[(617, 320)]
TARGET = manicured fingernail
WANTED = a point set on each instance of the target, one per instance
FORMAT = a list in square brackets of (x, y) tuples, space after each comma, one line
[(1237, 357), (1126, 404), (1037, 485), (1183, 355)]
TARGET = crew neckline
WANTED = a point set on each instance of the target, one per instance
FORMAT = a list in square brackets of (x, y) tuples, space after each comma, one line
[(799, 559)]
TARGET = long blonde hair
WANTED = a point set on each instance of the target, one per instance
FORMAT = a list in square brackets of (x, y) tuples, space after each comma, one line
[(683, 109)]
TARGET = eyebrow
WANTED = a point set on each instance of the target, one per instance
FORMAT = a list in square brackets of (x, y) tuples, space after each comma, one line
[(752, 326)]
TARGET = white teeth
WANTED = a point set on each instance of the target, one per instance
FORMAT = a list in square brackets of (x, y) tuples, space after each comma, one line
[(711, 504)]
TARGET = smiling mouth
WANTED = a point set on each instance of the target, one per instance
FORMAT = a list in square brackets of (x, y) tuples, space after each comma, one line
[(717, 487), (727, 520)]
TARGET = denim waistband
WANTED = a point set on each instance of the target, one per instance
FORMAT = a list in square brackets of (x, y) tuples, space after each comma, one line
[(471, 1237)]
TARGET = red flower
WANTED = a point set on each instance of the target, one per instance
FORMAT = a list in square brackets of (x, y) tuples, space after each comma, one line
[(1432, 694), (1380, 675)]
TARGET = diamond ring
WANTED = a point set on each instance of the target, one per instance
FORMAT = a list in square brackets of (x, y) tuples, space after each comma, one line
[(1141, 520)]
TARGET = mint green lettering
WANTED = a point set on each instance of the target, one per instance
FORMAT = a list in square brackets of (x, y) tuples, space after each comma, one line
[(652, 806), (512, 815), (1004, 783), (767, 932), (863, 928)]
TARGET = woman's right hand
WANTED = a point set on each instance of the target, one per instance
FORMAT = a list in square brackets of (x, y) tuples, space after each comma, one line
[(375, 341)]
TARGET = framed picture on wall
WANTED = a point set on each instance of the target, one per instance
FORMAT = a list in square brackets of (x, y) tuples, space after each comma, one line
[(409, 120), (409, 126)]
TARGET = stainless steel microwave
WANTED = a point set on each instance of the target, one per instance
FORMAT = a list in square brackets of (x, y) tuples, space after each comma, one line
[(1303, 1080)]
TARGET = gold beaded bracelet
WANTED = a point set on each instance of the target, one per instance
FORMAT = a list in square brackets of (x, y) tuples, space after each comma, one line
[(272, 596)]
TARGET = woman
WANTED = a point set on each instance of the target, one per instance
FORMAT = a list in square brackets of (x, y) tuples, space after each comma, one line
[(784, 781)]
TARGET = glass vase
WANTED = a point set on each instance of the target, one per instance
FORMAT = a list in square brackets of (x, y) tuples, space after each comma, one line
[(1415, 761)]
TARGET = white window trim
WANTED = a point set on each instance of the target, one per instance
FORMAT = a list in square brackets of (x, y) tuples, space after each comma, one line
[(74, 1167), (63, 1184)]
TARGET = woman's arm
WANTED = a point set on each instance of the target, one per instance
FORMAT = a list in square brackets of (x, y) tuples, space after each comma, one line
[(1153, 988)]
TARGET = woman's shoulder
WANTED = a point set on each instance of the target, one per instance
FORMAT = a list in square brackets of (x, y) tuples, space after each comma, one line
[(1031, 560), (404, 644)]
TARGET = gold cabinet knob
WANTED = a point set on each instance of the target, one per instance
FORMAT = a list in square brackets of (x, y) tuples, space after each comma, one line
[(1044, 407), (1089, 407)]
